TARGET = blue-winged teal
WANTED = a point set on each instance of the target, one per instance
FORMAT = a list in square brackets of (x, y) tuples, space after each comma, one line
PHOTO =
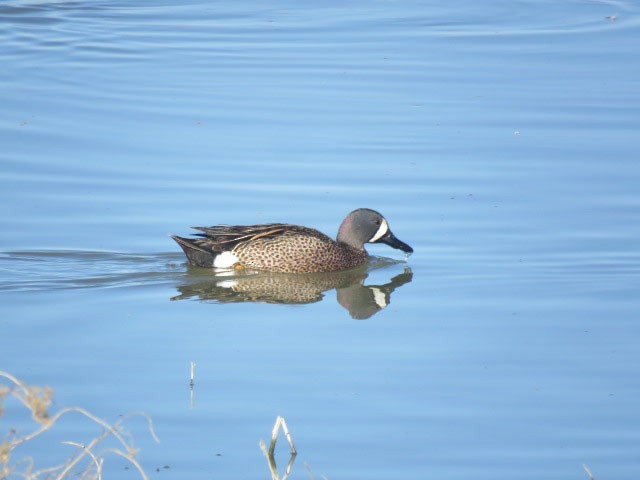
[(280, 247)]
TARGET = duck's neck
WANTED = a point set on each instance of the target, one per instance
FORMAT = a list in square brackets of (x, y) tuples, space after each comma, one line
[(345, 234)]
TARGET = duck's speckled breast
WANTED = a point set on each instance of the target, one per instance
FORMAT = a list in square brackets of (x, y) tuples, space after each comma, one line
[(299, 252)]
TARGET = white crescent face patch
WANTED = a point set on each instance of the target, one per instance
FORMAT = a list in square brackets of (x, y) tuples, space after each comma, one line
[(379, 297), (384, 228)]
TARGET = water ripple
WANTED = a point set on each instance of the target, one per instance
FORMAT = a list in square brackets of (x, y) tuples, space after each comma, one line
[(52, 270)]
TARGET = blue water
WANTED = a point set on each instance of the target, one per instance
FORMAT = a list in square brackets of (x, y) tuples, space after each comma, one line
[(499, 140)]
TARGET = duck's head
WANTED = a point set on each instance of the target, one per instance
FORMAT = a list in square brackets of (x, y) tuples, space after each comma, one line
[(368, 226)]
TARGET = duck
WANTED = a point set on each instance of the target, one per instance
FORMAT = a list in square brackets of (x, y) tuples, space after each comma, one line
[(287, 248)]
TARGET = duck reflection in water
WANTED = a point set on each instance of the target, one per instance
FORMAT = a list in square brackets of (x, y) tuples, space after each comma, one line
[(362, 301)]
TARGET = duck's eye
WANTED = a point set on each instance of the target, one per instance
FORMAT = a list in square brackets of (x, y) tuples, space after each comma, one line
[(378, 222)]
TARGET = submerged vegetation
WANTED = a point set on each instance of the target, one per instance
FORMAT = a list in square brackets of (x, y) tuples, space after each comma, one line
[(87, 460)]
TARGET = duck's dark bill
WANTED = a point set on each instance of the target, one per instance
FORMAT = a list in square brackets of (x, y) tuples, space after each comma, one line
[(391, 240)]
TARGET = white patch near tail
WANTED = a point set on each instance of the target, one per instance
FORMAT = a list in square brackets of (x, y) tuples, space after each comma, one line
[(384, 228), (227, 284), (225, 260)]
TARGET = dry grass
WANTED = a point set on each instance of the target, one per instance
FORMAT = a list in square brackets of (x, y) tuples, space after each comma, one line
[(85, 463)]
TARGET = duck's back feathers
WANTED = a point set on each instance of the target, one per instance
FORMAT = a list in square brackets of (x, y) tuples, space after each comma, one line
[(226, 237)]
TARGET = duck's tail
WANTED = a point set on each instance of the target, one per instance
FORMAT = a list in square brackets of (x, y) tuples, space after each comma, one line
[(196, 254)]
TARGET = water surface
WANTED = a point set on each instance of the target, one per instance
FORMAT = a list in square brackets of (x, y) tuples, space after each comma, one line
[(500, 141)]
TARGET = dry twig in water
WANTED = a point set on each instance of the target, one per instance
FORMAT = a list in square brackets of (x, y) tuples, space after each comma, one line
[(37, 400)]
